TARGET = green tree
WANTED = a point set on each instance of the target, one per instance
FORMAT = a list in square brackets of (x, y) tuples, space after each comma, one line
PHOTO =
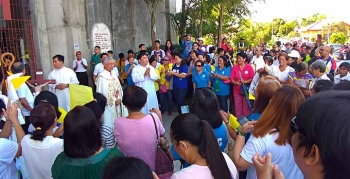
[(312, 19), (338, 38), (152, 6)]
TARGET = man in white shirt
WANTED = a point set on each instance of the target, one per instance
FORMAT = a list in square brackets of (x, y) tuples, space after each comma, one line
[(258, 60), (99, 68), (80, 66), (63, 76), (144, 76), (24, 94)]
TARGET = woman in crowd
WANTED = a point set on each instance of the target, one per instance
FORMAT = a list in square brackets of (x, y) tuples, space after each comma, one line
[(40, 148), (241, 74), (166, 96), (169, 49), (107, 133), (195, 142), (130, 132), (83, 156), (153, 62), (316, 158), (201, 77), (127, 168), (271, 134), (281, 71), (180, 82), (221, 83), (300, 78)]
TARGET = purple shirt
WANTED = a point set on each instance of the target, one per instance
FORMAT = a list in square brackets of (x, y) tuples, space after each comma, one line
[(137, 138)]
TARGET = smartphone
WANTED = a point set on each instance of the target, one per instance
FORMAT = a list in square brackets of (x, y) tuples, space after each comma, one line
[(242, 120), (185, 109)]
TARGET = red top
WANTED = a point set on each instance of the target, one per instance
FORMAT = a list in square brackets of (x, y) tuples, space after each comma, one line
[(247, 74), (223, 46)]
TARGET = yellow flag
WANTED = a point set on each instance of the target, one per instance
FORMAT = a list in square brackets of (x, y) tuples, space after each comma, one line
[(17, 82), (233, 122), (79, 95), (251, 97)]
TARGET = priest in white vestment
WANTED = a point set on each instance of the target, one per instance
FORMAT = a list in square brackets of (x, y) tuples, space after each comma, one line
[(63, 76), (107, 83), (144, 76)]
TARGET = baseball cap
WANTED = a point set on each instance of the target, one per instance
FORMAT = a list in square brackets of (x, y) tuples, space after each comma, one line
[(294, 54)]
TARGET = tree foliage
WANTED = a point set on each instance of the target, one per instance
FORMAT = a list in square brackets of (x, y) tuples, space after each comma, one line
[(312, 19), (338, 38)]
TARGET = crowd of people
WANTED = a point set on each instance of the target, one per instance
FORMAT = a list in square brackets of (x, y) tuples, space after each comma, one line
[(289, 105)]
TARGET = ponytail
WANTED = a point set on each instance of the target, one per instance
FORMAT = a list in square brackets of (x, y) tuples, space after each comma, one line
[(42, 116), (210, 150), (38, 134)]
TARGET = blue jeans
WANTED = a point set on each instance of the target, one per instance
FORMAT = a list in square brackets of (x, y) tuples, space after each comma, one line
[(223, 102), (166, 97), (179, 95)]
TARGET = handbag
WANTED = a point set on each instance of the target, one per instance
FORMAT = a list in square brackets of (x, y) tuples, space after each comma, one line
[(163, 88), (164, 165), (244, 88)]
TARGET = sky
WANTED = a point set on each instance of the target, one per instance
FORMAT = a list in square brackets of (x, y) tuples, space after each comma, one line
[(295, 9)]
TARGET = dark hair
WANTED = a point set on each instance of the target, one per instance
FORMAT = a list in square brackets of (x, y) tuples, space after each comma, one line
[(171, 46), (331, 77), (301, 66), (141, 45), (141, 54), (126, 168), (157, 41), (345, 65), (2, 106), (110, 51), (303, 56), (130, 51), (242, 54), (97, 47), (199, 61), (183, 62), (59, 57), (195, 52), (187, 127), (342, 85), (223, 57), (151, 59), (269, 59), (95, 108), (347, 55), (134, 98), (102, 54), (121, 55), (42, 116), (207, 58), (312, 60), (17, 67), (220, 50), (82, 133), (327, 128), (48, 97), (101, 101), (322, 85), (211, 49), (205, 105)]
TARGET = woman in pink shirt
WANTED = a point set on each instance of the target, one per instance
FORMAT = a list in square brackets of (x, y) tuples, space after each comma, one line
[(241, 74), (135, 135)]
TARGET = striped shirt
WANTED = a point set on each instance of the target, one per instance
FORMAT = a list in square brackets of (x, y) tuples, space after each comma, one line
[(108, 140)]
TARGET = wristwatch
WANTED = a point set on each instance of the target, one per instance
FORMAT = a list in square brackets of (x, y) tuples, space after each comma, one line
[(241, 133), (68, 85)]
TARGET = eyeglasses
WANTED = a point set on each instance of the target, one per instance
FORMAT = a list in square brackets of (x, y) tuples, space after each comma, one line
[(294, 127), (199, 66)]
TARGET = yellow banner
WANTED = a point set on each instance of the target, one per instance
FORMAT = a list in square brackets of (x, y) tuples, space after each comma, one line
[(80, 95)]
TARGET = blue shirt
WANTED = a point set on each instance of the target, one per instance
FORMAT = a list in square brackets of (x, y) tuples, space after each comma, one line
[(223, 89), (252, 117), (129, 78), (180, 83), (187, 47), (221, 136), (201, 80)]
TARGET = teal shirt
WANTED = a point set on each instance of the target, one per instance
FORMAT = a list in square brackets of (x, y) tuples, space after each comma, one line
[(96, 59)]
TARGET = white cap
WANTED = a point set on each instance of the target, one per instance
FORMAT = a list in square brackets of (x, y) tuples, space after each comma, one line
[(200, 39), (294, 54)]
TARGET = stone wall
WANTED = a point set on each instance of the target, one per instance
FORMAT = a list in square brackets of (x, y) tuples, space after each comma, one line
[(59, 24)]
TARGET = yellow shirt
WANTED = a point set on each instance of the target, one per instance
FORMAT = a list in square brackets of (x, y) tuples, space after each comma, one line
[(156, 85), (121, 66), (63, 115), (163, 71)]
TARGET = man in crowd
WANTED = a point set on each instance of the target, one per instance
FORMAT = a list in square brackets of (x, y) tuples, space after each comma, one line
[(157, 52), (107, 83), (186, 46), (24, 94), (63, 76), (241, 46), (95, 58), (258, 60), (144, 76), (99, 67), (201, 45), (325, 57), (132, 56), (80, 66)]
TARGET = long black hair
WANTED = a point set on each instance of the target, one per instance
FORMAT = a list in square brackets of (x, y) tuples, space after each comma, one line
[(166, 47), (187, 127), (205, 106), (126, 168)]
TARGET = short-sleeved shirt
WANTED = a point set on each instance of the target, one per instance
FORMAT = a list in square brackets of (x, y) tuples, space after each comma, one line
[(96, 59), (338, 79), (131, 141), (282, 75), (302, 81), (282, 155), (163, 78), (221, 88), (8, 150), (129, 78), (201, 80), (180, 83), (24, 92), (247, 74), (80, 67)]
